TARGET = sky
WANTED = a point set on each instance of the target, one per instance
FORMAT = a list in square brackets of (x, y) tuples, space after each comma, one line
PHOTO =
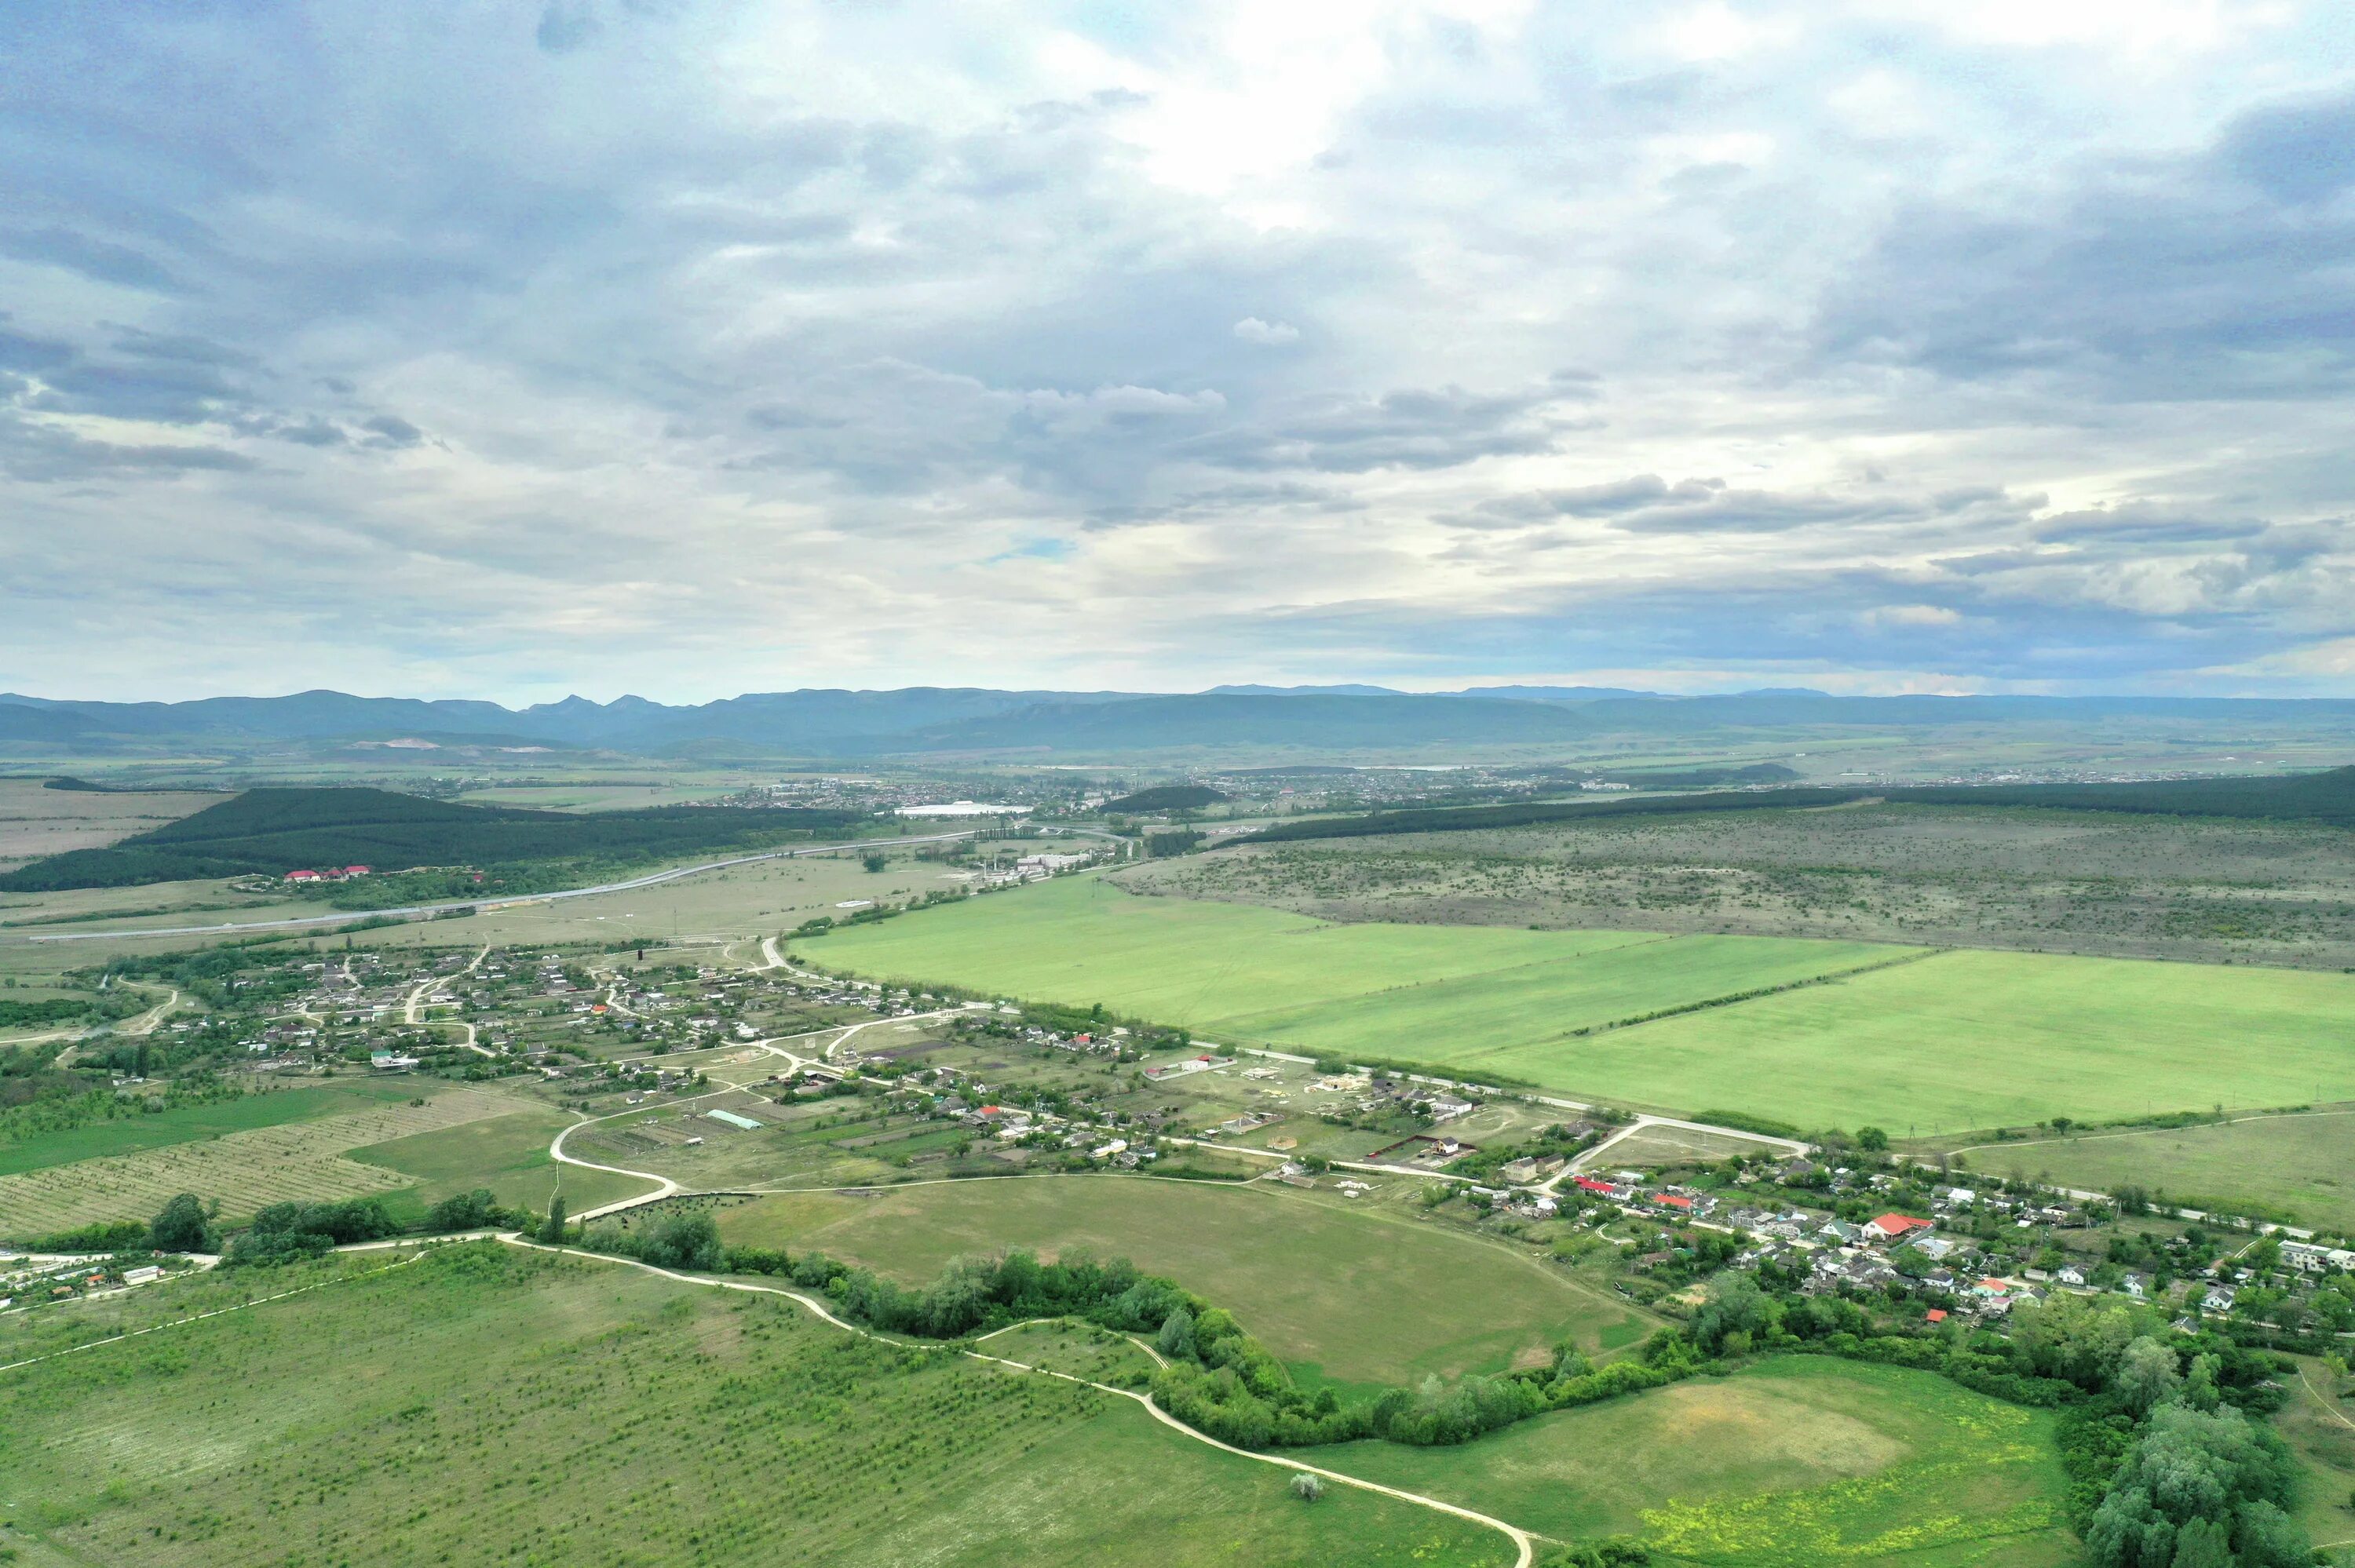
[(689, 348)]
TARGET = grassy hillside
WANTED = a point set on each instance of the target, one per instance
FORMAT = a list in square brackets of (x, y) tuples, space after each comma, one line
[(1957, 1040), (278, 830), (1347, 1296), (490, 1405), (1792, 1461)]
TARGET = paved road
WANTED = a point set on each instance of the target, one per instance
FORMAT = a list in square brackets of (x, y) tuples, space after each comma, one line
[(341, 916)]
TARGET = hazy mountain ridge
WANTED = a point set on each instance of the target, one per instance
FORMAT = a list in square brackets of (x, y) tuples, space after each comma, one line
[(931, 719)]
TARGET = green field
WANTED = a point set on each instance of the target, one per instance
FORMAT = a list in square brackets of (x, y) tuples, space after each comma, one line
[(1239, 972), (2302, 1163), (1790, 1463), (1348, 1296), (1953, 1040), (491, 1405), (1986, 1039), (507, 1154), (188, 1123)]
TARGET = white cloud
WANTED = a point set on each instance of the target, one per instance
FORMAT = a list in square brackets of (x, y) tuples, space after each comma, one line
[(817, 344), (1251, 328)]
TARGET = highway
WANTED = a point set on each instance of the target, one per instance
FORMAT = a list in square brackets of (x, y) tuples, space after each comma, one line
[(344, 916)]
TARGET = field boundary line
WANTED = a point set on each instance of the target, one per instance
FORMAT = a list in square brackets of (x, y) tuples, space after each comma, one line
[(1735, 998), (1523, 1541), (216, 1312)]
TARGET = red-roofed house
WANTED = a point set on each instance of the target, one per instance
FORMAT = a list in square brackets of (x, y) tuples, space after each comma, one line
[(1671, 1201), (1589, 1184), (1889, 1227), (302, 876), (1936, 1315), (356, 871)]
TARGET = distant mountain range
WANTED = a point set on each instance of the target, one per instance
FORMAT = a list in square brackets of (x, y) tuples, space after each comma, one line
[(930, 720)]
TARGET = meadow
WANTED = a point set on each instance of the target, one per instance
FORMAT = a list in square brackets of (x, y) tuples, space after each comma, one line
[(1790, 1463), (306, 1161), (489, 1404), (1914, 1042), (2300, 1165), (1345, 1296), (507, 1154)]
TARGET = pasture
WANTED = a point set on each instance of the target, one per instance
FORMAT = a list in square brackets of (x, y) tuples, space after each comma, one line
[(1915, 1043), (2302, 1164), (494, 1406), (247, 1170), (1790, 1463), (1344, 1295)]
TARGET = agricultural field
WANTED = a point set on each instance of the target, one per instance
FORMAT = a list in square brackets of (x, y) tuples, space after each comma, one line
[(276, 1106), (1344, 1295), (1989, 1039), (35, 821), (308, 1161), (488, 1404), (1790, 1462), (2300, 1165), (2061, 881), (1414, 993), (1912, 1041)]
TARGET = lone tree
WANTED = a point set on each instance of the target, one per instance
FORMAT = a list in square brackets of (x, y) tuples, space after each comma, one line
[(1307, 1487), (554, 1230), (182, 1225), (872, 861)]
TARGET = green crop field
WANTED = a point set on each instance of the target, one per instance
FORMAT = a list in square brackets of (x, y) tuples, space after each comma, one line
[(1985, 1039), (1790, 1463), (1347, 1296), (507, 1154), (187, 1124), (1952, 1040), (490, 1405), (1421, 992), (2303, 1164)]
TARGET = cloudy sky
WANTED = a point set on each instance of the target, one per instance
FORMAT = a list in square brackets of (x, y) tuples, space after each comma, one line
[(689, 348)]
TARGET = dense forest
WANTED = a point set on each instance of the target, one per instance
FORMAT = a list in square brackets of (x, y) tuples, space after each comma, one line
[(273, 832)]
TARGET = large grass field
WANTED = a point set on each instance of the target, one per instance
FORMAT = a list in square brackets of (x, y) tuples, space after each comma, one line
[(1348, 1296), (1986, 1039), (1795, 1462), (507, 1154), (490, 1405), (2302, 1163), (1952, 1040), (188, 1124)]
